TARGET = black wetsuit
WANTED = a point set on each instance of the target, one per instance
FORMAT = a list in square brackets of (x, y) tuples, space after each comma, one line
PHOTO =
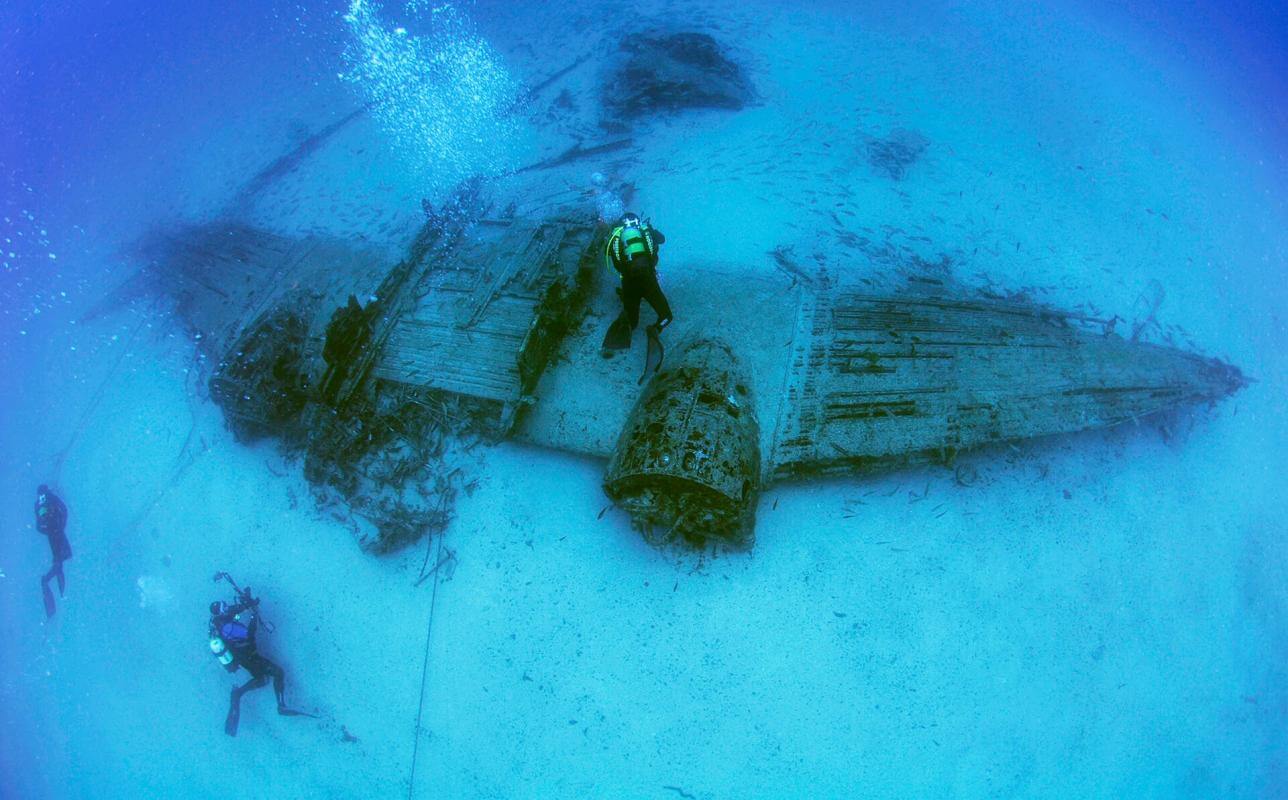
[(51, 520), (237, 627), (639, 282)]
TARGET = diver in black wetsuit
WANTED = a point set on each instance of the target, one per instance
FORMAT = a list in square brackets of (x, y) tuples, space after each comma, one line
[(632, 251), (51, 520), (232, 640)]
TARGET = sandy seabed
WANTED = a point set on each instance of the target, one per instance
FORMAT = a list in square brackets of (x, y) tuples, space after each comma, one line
[(1097, 616)]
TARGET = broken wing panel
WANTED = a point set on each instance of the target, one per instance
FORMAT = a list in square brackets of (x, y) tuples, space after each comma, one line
[(878, 380), (484, 322), (223, 277)]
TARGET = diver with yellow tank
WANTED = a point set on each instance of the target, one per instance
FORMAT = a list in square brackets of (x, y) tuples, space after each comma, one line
[(632, 252), (232, 642)]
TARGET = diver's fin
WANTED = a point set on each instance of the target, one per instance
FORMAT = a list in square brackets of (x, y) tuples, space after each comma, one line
[(290, 712), (234, 716), (618, 336), (50, 608), (653, 359)]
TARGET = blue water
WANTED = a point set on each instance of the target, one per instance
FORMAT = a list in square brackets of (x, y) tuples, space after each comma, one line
[(1103, 616)]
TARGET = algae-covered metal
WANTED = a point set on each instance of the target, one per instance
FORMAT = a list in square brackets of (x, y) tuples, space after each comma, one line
[(883, 380), (487, 315), (687, 465), (876, 382), (464, 330)]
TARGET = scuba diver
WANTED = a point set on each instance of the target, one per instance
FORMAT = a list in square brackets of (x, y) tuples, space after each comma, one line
[(632, 251), (51, 520), (232, 642)]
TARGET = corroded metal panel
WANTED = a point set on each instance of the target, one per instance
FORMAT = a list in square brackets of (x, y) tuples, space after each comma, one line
[(687, 465), (488, 316), (880, 380)]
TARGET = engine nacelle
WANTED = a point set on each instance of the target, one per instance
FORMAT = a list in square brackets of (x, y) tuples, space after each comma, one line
[(687, 464)]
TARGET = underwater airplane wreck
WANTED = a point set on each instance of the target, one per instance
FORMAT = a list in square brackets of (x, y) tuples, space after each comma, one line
[(490, 327)]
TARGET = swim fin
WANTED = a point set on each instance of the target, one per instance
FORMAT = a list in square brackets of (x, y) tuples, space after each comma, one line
[(50, 608), (653, 359), (290, 712), (618, 336), (234, 716)]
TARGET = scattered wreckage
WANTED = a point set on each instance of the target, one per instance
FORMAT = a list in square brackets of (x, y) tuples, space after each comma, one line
[(382, 379), (489, 328)]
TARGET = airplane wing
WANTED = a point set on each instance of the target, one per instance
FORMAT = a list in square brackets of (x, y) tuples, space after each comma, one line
[(874, 382), (920, 375), (495, 326)]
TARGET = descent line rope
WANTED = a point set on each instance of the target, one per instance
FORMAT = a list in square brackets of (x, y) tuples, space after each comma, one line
[(424, 672), (83, 422)]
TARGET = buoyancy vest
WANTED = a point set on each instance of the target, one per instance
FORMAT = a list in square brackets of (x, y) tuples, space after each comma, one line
[(235, 631)]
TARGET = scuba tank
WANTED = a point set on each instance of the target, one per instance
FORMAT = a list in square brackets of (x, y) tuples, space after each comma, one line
[(635, 241), (222, 653), (236, 631)]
